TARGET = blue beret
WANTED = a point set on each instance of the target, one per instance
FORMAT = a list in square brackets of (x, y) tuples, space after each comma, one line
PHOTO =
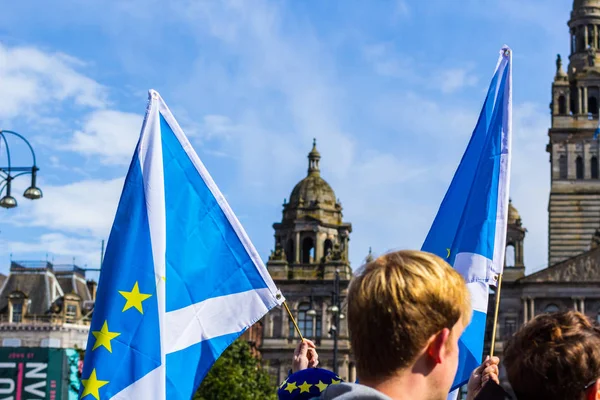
[(307, 384)]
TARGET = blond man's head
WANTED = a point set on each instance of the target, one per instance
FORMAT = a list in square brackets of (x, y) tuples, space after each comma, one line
[(396, 304)]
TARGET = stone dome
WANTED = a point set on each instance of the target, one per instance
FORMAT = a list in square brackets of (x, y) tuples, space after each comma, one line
[(313, 191), (585, 3), (513, 214)]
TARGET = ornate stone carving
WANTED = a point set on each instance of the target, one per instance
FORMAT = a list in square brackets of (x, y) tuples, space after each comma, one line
[(584, 268), (278, 254), (591, 57)]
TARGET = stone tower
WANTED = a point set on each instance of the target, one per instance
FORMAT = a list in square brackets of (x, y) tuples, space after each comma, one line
[(311, 249), (311, 234), (574, 207), (515, 236)]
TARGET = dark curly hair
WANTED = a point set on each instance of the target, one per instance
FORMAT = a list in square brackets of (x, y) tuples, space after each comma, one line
[(554, 357)]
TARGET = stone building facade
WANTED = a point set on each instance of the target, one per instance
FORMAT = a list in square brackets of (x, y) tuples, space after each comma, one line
[(311, 248), (45, 305), (574, 207), (572, 279)]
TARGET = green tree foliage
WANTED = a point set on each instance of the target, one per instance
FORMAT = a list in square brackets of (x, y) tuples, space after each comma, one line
[(236, 375)]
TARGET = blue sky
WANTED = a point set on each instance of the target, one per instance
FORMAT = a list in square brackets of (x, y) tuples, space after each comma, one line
[(390, 89)]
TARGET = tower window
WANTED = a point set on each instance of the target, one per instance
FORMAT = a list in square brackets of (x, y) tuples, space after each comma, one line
[(580, 40), (563, 167), (594, 167), (579, 167), (593, 105), (590, 32), (509, 260), (308, 250), (289, 251), (562, 105)]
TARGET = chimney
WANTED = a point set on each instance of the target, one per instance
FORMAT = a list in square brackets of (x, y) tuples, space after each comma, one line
[(92, 287)]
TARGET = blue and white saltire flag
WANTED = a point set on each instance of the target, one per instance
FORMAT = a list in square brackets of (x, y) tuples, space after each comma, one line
[(469, 230), (180, 280)]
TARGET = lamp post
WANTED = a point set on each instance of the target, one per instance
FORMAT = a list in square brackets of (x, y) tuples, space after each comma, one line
[(11, 172), (336, 312)]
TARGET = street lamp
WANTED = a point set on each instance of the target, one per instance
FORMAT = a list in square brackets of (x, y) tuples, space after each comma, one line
[(335, 310), (11, 172)]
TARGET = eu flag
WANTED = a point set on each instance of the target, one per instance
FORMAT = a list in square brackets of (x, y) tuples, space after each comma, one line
[(180, 280), (469, 230)]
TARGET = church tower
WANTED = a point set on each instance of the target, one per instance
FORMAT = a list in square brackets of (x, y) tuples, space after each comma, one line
[(310, 266), (574, 207)]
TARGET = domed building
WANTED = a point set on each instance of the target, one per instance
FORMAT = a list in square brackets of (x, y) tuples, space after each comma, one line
[(310, 266)]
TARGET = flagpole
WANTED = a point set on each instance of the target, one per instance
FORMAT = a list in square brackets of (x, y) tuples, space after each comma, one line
[(293, 320), (496, 315)]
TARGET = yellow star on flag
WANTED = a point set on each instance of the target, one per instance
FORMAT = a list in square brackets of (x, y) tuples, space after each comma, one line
[(334, 382), (322, 386), (291, 386), (134, 298), (305, 387), (103, 337), (92, 385), (448, 256)]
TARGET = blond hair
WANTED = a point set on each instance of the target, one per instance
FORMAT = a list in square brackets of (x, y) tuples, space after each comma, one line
[(396, 303)]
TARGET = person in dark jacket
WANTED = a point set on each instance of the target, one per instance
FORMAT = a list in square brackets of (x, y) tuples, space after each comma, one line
[(555, 356)]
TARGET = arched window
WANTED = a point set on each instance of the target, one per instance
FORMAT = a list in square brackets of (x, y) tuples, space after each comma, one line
[(289, 251), (562, 105), (573, 42), (590, 31), (562, 166), (509, 259), (594, 167), (592, 105), (550, 308), (579, 167), (580, 39), (308, 250)]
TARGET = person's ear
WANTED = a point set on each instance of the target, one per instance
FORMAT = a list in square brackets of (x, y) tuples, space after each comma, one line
[(593, 392), (436, 350)]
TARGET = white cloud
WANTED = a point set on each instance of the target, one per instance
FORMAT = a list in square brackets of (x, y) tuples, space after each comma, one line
[(450, 80), (111, 135), (402, 8), (31, 80), (58, 247), (386, 61), (86, 208)]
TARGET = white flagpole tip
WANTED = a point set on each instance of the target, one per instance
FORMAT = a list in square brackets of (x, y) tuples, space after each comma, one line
[(506, 51), (153, 94)]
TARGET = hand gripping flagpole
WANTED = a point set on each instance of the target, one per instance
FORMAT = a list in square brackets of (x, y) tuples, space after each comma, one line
[(496, 315)]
